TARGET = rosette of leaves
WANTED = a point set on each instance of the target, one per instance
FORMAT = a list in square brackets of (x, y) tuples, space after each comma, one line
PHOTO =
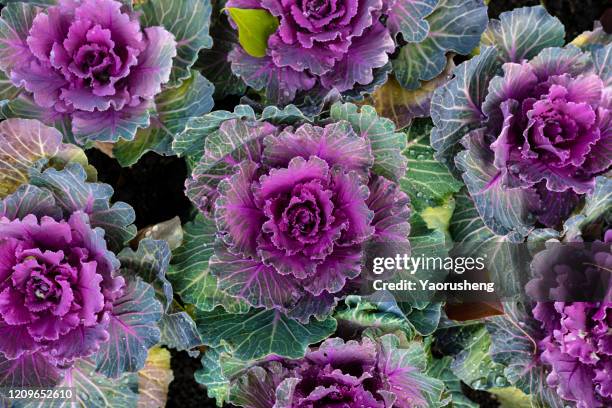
[(303, 51), (77, 307), (380, 372), (106, 71), (250, 295), (526, 123), (552, 345)]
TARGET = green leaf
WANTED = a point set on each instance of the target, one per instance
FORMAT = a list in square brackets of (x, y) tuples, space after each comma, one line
[(427, 181), (254, 28), (211, 375), (29, 199), (454, 106), (23, 142), (597, 205), (380, 317), (440, 368), (190, 273), (454, 26), (259, 332), (407, 17), (189, 21), (191, 140), (174, 107), (386, 143), (590, 40), (514, 345), (522, 33), (93, 390), (73, 193), (178, 330), (7, 89), (505, 260), (473, 364), (132, 330)]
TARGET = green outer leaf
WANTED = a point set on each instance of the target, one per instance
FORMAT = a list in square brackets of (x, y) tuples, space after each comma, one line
[(7, 89), (386, 143), (522, 33), (455, 107), (254, 28), (93, 390), (179, 331), (440, 368), (426, 320), (23, 142), (15, 24), (258, 333), (190, 273), (393, 361), (597, 204), (29, 199), (514, 345), (191, 140), (504, 210), (132, 329), (212, 377), (150, 262), (407, 17), (383, 318), (427, 182), (455, 25), (189, 21), (473, 364), (174, 107), (504, 258), (72, 193)]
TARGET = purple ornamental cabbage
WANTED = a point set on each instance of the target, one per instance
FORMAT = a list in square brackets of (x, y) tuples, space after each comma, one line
[(58, 287), (576, 338), (295, 213), (342, 374), (321, 41), (536, 122), (92, 61)]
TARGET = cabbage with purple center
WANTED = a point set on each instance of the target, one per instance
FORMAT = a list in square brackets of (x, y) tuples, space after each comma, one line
[(534, 121), (345, 46), (295, 208), (90, 61), (352, 374), (573, 290), (59, 282), (73, 301)]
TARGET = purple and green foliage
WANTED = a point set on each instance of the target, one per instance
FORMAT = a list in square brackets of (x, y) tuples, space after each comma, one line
[(102, 71), (288, 48), (525, 123), (75, 306)]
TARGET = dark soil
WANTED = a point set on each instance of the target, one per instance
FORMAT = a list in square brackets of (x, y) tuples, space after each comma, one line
[(154, 187)]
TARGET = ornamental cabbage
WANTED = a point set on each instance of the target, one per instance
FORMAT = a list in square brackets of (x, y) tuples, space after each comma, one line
[(535, 122), (58, 286), (345, 46), (575, 340), (89, 61), (70, 294), (295, 209), (342, 374)]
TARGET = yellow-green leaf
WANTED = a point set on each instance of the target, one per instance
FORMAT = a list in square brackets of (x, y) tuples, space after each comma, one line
[(254, 28)]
